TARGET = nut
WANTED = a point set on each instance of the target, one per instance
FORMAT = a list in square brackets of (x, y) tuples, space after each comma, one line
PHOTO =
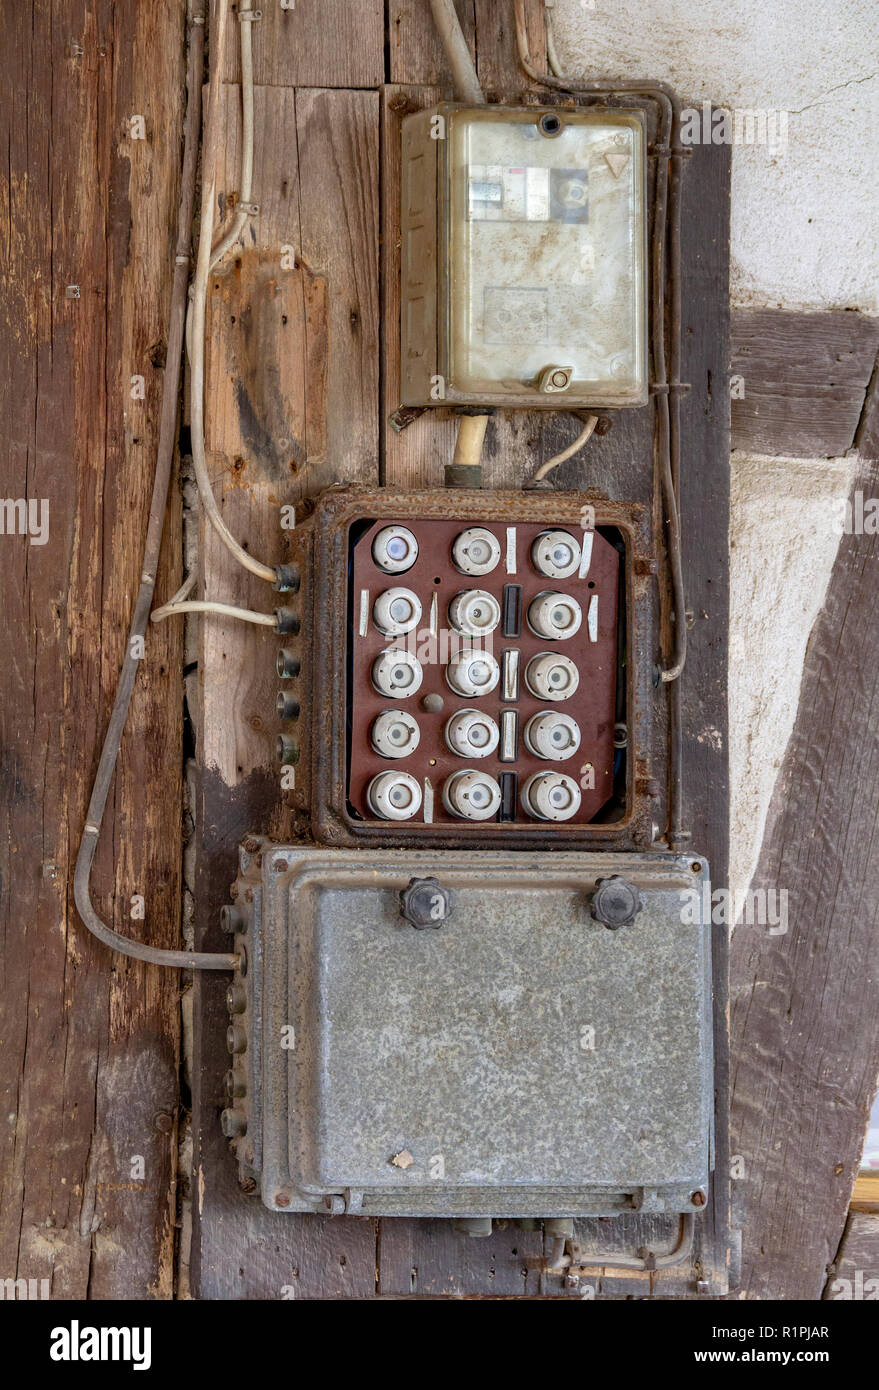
[(616, 902), (425, 903)]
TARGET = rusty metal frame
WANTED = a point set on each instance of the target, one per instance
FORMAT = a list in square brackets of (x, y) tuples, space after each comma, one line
[(322, 768)]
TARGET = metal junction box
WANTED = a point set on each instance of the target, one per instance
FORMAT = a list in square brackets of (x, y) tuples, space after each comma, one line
[(511, 1054), (524, 266)]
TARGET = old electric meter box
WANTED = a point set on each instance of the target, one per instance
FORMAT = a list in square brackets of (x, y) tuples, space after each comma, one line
[(524, 266)]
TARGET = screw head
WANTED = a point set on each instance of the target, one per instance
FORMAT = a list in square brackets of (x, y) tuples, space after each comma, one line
[(425, 903), (616, 902)]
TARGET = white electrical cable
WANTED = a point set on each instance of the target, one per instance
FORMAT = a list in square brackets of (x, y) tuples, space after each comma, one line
[(184, 591), (572, 449), (552, 56), (196, 339), (244, 209), (227, 610)]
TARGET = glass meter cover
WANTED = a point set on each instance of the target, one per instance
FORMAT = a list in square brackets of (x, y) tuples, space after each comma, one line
[(524, 257)]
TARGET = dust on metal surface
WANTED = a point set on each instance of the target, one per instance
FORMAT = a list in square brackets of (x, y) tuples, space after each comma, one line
[(530, 1060)]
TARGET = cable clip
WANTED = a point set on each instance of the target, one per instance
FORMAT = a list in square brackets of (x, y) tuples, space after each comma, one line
[(663, 388), (252, 209), (249, 16)]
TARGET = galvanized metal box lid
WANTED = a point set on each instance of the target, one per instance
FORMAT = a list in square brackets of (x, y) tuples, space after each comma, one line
[(519, 1058)]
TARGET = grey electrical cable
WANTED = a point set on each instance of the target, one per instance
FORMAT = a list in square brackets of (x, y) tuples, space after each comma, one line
[(154, 955), (558, 1261), (449, 28)]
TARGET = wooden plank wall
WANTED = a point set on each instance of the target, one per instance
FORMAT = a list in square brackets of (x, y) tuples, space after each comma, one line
[(90, 1041), (854, 1274), (292, 407)]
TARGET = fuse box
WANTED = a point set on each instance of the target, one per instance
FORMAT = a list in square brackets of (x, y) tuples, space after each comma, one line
[(524, 267), (468, 669)]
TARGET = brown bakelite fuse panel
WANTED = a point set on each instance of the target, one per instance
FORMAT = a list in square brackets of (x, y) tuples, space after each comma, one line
[(467, 662)]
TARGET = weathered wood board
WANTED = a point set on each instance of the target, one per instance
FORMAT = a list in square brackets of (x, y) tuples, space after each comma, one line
[(336, 43), (805, 1026), (800, 380), (292, 408), (90, 1040), (854, 1274)]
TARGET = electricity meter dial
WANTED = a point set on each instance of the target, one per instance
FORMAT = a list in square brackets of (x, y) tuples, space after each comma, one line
[(552, 735), (397, 673), (395, 549), (554, 616), (551, 796), (396, 611), (476, 551), (394, 796), (471, 795), (556, 554), (471, 734)]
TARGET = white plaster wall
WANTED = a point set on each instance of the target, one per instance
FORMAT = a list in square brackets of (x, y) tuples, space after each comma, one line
[(783, 543), (804, 217), (804, 234)]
